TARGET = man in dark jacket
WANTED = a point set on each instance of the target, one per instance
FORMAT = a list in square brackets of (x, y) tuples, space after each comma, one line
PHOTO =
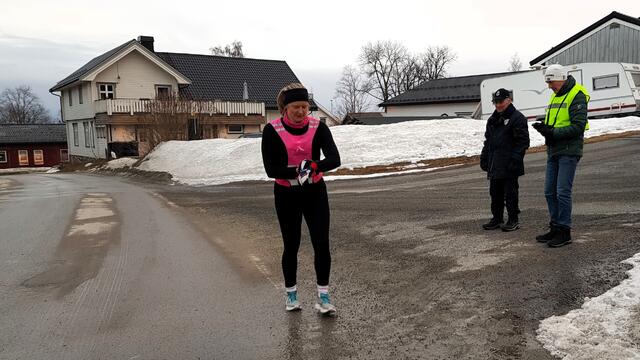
[(563, 130), (502, 157)]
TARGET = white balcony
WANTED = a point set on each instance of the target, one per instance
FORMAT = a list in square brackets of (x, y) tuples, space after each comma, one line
[(133, 106)]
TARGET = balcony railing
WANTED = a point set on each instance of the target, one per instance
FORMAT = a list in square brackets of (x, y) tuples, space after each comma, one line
[(133, 106)]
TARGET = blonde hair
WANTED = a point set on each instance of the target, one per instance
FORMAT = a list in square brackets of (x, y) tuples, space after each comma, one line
[(280, 98)]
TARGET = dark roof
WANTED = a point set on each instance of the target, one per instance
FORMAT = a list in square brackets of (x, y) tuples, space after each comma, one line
[(214, 77), (35, 133), (447, 90), (222, 78), (86, 68), (614, 14)]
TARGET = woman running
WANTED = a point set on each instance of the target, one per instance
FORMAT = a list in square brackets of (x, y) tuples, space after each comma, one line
[(291, 155)]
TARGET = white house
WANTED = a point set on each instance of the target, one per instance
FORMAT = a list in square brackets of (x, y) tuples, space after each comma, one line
[(105, 104)]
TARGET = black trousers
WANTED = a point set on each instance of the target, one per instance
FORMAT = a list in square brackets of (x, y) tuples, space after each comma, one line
[(292, 203), (504, 191)]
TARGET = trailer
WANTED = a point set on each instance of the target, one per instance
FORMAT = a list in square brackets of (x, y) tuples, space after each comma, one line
[(614, 89)]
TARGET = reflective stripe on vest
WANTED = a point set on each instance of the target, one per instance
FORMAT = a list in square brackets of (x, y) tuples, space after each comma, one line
[(558, 109)]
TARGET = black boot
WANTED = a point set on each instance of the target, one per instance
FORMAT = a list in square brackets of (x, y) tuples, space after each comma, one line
[(562, 238), (492, 224), (548, 236), (511, 225)]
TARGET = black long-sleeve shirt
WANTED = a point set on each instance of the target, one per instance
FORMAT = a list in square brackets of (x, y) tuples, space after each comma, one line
[(274, 151)]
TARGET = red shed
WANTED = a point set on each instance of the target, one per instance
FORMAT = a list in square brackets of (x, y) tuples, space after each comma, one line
[(34, 145)]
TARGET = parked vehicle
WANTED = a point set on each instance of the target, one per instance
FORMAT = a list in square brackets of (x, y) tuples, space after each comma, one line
[(614, 90)]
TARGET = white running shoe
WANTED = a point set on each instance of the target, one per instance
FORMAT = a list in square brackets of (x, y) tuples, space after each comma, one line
[(324, 305), (292, 303)]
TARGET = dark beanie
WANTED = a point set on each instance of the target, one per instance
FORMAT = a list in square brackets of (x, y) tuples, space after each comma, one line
[(292, 95)]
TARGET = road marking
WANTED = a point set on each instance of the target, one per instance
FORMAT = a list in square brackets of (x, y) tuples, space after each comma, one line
[(259, 264)]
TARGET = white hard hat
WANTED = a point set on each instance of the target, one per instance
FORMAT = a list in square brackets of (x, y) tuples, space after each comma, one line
[(555, 72)]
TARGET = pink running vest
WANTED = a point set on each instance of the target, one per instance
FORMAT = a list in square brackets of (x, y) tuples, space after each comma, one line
[(298, 148)]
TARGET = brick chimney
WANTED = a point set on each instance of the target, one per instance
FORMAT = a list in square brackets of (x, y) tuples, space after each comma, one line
[(146, 41)]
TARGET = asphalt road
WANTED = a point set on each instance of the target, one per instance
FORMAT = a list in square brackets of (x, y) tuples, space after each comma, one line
[(94, 268), (97, 267), (415, 277)]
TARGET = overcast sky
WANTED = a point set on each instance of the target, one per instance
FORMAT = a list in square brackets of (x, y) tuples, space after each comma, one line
[(42, 42)]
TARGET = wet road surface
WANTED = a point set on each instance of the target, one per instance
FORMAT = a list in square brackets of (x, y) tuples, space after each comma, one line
[(415, 277), (101, 267)]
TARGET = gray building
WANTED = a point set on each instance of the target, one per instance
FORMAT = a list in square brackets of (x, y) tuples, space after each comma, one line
[(614, 38)]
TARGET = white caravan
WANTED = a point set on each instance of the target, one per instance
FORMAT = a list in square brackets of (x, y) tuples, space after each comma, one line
[(614, 90)]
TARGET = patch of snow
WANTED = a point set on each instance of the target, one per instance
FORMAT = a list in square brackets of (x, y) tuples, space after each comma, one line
[(606, 327), (25, 170), (120, 163), (219, 161)]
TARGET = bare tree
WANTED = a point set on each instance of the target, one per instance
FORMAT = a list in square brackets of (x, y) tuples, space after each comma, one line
[(434, 62), (21, 106), (351, 92), (167, 118), (408, 74), (514, 63), (391, 70), (230, 50), (380, 61)]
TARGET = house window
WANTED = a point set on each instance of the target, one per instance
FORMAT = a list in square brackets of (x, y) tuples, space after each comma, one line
[(87, 134), (93, 142), (75, 134), (64, 155), (606, 82), (106, 91), (23, 157), (101, 132), (38, 157), (163, 91), (235, 129), (3, 156), (323, 119), (70, 94), (80, 94)]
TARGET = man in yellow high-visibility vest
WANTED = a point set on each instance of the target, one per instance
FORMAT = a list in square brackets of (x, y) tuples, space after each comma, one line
[(563, 129)]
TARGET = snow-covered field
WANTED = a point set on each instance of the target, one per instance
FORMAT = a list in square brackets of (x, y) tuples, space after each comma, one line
[(219, 161)]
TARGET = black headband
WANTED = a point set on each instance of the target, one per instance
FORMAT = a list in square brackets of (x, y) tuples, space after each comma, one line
[(292, 95)]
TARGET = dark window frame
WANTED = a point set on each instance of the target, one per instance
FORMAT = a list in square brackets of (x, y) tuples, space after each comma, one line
[(617, 76), (106, 91), (161, 86), (229, 131)]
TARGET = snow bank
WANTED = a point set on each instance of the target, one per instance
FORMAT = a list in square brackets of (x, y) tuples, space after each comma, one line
[(120, 163), (219, 161), (606, 327)]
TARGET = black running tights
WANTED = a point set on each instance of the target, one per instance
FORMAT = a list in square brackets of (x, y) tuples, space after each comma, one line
[(292, 203)]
